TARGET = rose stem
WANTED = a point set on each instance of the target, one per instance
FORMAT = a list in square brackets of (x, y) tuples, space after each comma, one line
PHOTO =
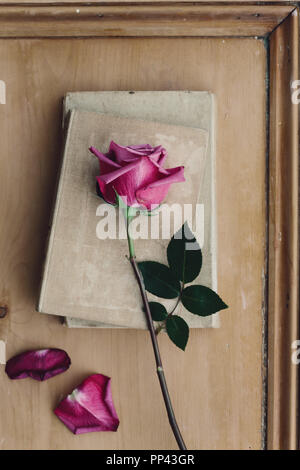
[(159, 366), (160, 327)]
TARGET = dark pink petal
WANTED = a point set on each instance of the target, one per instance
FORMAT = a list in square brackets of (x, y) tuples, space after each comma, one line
[(113, 175), (121, 181), (155, 192), (107, 191), (163, 156), (124, 155), (90, 407), (174, 175), (107, 165), (145, 173), (127, 179), (147, 151), (127, 154), (141, 147), (157, 153), (104, 158), (39, 365), (162, 171)]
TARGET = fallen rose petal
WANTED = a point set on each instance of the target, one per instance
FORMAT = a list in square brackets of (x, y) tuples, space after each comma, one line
[(89, 408), (40, 365)]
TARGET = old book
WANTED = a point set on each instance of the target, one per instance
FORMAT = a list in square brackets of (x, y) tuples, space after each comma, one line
[(73, 240), (187, 108)]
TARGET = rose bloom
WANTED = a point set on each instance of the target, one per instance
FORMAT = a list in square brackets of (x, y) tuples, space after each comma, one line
[(136, 173)]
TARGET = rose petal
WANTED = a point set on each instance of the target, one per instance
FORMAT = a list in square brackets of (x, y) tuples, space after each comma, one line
[(120, 181), (124, 155), (163, 156), (106, 192), (107, 165), (155, 192), (174, 175), (113, 175), (104, 158), (127, 179), (141, 147), (90, 407), (39, 365)]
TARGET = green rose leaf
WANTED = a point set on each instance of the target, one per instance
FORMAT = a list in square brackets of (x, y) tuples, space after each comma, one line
[(184, 255), (178, 331), (158, 311), (159, 279), (202, 301)]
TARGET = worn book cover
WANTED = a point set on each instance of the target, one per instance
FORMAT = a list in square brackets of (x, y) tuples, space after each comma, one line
[(89, 278), (187, 108)]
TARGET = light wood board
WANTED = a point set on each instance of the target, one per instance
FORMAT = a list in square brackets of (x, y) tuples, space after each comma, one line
[(140, 20), (216, 385), (58, 2), (283, 285)]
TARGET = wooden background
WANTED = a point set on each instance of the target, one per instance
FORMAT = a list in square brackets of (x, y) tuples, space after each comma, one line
[(216, 385), (142, 1)]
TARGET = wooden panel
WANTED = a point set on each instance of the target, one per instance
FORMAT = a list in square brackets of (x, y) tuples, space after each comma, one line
[(284, 222), (216, 385), (58, 2), (145, 20)]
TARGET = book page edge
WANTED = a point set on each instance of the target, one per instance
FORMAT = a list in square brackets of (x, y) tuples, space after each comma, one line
[(54, 217)]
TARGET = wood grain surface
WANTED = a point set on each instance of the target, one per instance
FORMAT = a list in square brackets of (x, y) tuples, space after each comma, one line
[(58, 2), (140, 20), (283, 410), (216, 385)]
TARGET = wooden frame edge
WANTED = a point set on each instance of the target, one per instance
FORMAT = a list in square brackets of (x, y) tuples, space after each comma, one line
[(283, 306), (231, 20), (140, 20)]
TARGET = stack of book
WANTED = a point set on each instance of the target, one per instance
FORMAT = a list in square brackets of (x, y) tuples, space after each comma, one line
[(86, 278)]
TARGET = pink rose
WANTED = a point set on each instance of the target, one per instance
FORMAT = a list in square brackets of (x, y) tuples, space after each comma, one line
[(136, 173)]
